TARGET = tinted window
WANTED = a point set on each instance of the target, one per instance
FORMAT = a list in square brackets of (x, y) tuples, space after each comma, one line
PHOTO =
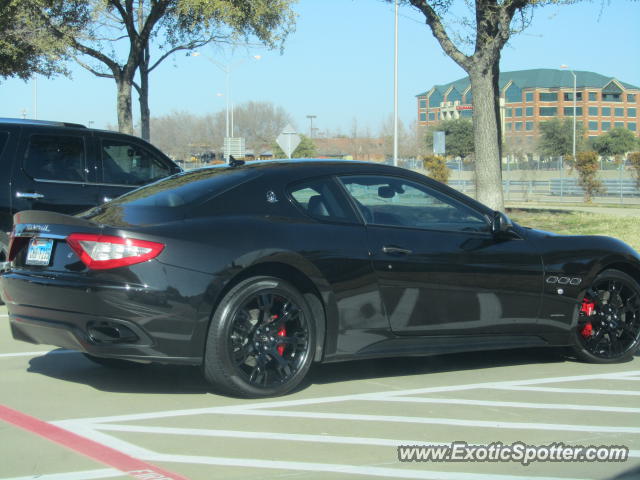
[(320, 199), (395, 201), (3, 140), (56, 157), (185, 188), (128, 164)]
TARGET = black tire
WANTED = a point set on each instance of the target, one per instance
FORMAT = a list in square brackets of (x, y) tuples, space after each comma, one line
[(113, 362), (261, 340), (608, 326)]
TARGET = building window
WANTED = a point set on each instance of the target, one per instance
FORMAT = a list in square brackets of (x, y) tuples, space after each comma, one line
[(423, 117), (593, 96), (518, 112), (568, 111), (606, 126), (507, 126), (619, 112), (618, 124), (611, 97), (548, 111), (593, 111), (528, 126), (466, 113), (606, 111), (432, 116), (518, 126), (548, 97), (631, 112), (593, 125), (631, 126), (569, 96), (528, 97), (529, 111), (423, 104), (631, 97), (508, 112)]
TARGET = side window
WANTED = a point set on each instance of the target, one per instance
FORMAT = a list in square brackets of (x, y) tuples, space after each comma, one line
[(321, 199), (128, 164), (3, 140), (394, 201), (56, 157)]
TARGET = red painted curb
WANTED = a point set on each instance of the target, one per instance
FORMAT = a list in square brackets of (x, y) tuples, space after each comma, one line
[(89, 448)]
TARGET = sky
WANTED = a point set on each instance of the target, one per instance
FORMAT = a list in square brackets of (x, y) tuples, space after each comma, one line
[(338, 66)]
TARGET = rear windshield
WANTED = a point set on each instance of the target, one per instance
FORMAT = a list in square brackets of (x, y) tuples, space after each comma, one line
[(185, 188)]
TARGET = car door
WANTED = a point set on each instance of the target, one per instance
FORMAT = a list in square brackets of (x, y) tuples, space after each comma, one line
[(51, 171), (440, 270), (124, 163)]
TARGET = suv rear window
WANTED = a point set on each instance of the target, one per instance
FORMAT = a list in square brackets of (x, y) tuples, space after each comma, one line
[(56, 157)]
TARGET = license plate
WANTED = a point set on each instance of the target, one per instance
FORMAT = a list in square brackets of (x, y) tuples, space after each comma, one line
[(39, 252)]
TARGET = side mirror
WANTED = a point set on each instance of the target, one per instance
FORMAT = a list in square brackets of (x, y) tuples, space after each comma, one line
[(500, 224)]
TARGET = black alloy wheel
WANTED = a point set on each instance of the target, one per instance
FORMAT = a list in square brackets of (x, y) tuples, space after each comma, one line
[(608, 327), (261, 340)]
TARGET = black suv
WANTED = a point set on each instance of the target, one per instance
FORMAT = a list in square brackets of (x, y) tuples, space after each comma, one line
[(68, 168)]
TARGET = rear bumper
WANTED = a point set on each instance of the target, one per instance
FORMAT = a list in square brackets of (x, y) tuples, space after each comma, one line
[(133, 321)]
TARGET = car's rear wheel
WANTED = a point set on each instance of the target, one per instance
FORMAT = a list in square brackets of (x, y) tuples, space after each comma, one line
[(261, 340), (608, 327)]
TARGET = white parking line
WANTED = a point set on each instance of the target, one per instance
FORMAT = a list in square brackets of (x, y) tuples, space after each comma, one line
[(96, 428), (594, 391), (34, 354), (86, 475), (490, 403)]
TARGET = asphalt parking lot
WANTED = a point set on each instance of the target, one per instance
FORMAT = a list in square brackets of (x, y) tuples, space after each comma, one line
[(64, 418)]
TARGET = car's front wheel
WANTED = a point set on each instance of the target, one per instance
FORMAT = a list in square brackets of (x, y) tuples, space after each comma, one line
[(261, 340), (608, 327)]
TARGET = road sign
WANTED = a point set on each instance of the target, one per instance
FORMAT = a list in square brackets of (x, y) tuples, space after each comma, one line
[(288, 140), (438, 143), (234, 146)]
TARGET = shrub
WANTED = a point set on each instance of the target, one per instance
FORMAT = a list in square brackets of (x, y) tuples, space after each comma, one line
[(437, 167), (634, 159), (586, 164)]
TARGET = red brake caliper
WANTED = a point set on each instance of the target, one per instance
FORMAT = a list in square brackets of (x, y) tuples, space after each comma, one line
[(282, 332), (587, 308)]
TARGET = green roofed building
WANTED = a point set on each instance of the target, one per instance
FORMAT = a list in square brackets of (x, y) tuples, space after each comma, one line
[(529, 97)]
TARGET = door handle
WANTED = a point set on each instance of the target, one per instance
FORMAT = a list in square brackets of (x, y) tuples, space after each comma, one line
[(32, 196), (391, 249)]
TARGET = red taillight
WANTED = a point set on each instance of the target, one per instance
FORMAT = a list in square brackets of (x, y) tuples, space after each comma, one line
[(100, 252), (15, 245)]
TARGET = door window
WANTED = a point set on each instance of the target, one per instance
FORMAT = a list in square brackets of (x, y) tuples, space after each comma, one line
[(3, 140), (125, 163), (320, 199), (394, 201), (56, 157)]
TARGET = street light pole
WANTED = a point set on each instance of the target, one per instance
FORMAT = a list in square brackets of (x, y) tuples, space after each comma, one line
[(311, 117), (395, 89), (575, 94)]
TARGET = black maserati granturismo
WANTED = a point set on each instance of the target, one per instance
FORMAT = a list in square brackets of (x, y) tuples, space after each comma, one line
[(255, 271)]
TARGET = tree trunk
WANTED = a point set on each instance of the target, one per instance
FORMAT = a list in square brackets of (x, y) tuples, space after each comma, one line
[(486, 133), (125, 117), (145, 113)]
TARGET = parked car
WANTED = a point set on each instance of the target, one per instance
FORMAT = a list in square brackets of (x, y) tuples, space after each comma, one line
[(67, 168), (255, 271)]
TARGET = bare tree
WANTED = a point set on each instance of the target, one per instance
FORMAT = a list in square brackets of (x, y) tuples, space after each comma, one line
[(482, 36)]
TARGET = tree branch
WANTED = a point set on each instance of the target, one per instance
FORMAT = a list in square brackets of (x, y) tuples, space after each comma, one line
[(434, 22)]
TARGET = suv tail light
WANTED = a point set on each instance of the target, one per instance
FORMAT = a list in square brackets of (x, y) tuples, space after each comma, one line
[(100, 252)]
